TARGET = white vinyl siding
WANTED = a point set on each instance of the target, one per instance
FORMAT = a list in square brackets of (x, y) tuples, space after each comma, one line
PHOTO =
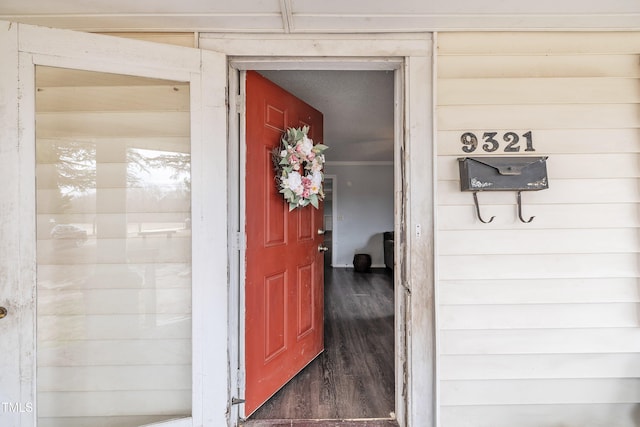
[(539, 323)]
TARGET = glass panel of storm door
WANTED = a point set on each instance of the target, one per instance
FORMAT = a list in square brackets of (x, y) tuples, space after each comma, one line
[(113, 249)]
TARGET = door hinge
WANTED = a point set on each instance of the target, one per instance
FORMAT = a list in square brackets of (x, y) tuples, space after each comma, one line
[(239, 103), (236, 241), (236, 401)]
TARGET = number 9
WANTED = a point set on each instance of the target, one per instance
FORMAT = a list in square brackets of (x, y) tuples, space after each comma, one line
[(470, 142)]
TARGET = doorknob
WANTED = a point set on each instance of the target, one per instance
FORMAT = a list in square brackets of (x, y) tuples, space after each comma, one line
[(320, 231), (3, 312), (322, 248)]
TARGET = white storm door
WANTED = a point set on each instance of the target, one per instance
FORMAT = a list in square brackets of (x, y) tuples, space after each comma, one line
[(112, 234)]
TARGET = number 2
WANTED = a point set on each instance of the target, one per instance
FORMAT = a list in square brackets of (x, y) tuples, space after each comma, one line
[(513, 140)]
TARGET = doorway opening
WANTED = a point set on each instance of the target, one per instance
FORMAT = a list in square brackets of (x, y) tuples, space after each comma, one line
[(357, 163), (330, 215)]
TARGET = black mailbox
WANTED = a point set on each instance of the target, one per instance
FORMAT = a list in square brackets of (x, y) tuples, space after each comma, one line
[(503, 174)]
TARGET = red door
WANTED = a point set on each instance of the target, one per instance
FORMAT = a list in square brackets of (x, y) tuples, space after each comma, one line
[(284, 270)]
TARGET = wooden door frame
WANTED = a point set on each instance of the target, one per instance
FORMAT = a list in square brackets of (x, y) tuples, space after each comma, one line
[(411, 58), (334, 214)]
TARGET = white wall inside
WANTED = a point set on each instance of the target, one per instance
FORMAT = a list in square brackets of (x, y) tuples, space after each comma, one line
[(364, 210), (359, 129)]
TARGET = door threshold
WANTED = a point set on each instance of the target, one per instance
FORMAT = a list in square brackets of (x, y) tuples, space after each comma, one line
[(364, 422)]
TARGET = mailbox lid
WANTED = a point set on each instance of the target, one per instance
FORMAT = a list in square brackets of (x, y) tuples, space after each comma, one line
[(503, 173)]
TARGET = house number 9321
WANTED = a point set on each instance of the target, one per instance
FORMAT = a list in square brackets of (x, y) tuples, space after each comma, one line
[(491, 142)]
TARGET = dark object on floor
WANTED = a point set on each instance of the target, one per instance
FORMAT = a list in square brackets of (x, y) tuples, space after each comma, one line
[(362, 263), (387, 243)]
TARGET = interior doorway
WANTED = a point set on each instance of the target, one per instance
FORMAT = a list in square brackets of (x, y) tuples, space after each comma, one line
[(330, 210), (367, 145)]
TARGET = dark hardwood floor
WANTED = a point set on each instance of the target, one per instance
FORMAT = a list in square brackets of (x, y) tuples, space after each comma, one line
[(354, 377)]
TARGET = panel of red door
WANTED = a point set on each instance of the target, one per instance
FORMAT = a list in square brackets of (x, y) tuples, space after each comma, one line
[(284, 292)]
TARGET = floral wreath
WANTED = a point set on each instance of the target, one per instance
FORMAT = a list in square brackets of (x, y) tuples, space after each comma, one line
[(298, 165)]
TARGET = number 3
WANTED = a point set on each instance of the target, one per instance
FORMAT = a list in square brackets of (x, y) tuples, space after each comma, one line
[(489, 137)]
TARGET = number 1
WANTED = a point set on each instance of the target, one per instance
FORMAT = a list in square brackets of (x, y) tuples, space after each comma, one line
[(529, 138)]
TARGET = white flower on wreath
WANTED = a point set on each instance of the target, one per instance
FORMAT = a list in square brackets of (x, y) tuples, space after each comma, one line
[(306, 146), (293, 181), (298, 164)]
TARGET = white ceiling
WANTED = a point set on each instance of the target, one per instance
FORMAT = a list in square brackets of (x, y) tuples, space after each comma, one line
[(357, 107), (298, 16)]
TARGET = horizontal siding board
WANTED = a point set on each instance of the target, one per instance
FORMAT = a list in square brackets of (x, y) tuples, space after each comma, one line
[(550, 116), (143, 250), (518, 91), (540, 241), (114, 327), (108, 275), (114, 378), (139, 420), (595, 216), (114, 403), (562, 166), (113, 301), (525, 66), (465, 267), (540, 341), (539, 366), (538, 43), (111, 201), (159, 351), (173, 97), (561, 191), (539, 291), (67, 77), (175, 38), (113, 124), (540, 392), (113, 175), (569, 415), (112, 149), (539, 316), (131, 218), (574, 142)]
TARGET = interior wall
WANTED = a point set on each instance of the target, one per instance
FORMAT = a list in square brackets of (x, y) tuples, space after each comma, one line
[(538, 322), (359, 129), (364, 210)]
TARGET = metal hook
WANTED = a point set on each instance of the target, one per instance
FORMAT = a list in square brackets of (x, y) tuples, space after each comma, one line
[(475, 200), (520, 209)]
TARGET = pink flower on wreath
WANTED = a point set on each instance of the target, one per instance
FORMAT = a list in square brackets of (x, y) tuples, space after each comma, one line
[(298, 163), (306, 183)]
